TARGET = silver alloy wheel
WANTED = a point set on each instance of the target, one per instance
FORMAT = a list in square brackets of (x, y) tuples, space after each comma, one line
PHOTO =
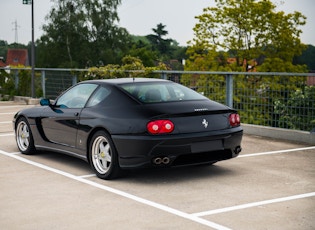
[(23, 136), (101, 154)]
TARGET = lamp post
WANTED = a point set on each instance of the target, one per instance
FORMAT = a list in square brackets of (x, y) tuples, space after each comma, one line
[(31, 2)]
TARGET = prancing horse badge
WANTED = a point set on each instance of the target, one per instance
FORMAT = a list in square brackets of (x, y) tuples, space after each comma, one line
[(205, 123)]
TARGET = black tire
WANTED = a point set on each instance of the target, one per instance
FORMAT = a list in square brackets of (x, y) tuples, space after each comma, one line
[(103, 156), (23, 136)]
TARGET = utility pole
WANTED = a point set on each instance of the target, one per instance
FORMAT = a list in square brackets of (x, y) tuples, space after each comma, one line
[(31, 2), (16, 31)]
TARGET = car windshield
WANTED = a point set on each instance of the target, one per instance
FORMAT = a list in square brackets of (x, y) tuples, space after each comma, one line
[(154, 92)]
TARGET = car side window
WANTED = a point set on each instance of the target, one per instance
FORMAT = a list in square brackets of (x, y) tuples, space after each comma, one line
[(76, 97), (100, 94)]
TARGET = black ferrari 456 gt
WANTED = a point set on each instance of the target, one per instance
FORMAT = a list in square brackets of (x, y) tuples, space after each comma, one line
[(126, 123)]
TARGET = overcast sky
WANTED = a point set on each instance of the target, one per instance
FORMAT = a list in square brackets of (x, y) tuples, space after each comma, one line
[(139, 17)]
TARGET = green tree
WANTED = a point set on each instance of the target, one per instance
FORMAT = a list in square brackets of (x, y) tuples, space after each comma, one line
[(167, 50), (141, 48), (144, 49), (306, 58), (248, 29), (158, 42), (163, 46), (82, 33)]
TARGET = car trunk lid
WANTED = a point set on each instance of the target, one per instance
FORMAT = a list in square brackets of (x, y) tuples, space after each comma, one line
[(193, 116)]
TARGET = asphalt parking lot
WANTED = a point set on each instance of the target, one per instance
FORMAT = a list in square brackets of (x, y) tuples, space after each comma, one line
[(271, 185)]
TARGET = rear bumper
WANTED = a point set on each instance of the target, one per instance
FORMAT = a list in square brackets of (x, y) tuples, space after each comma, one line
[(197, 148)]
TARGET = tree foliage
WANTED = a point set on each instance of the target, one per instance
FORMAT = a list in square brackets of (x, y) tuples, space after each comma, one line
[(248, 29), (158, 42), (85, 33), (166, 49), (306, 58), (130, 67), (141, 48), (82, 33)]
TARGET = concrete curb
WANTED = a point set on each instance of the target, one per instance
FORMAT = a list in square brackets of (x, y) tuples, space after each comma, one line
[(279, 133)]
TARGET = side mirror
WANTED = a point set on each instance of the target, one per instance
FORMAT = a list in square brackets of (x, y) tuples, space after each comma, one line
[(44, 102)]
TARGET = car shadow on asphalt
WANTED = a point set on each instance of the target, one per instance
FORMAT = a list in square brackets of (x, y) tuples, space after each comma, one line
[(143, 175), (63, 161), (176, 174)]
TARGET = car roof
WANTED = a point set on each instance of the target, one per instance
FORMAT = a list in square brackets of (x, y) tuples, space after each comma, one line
[(117, 81)]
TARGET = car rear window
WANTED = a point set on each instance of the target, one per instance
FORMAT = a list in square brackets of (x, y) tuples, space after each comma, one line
[(154, 92)]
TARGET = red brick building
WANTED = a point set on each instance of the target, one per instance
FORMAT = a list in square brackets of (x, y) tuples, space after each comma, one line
[(17, 57)]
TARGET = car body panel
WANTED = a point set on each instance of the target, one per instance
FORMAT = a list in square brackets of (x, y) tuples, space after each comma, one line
[(60, 125)]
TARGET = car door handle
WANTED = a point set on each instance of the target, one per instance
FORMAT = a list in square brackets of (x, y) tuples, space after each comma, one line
[(76, 114)]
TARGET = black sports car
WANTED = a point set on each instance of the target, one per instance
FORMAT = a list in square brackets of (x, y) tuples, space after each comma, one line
[(129, 123)]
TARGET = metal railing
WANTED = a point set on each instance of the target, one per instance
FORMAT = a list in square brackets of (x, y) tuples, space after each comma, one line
[(285, 100)]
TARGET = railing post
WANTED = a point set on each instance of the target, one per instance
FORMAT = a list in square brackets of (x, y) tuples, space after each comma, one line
[(163, 76), (44, 83), (229, 90), (16, 79), (74, 79)]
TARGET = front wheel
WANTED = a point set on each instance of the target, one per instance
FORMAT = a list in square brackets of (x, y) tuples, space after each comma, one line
[(103, 156), (24, 137)]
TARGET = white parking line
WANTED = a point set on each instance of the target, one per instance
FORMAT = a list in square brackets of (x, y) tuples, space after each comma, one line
[(5, 122), (8, 113), (276, 152), (254, 204), (6, 134), (87, 176), (121, 193)]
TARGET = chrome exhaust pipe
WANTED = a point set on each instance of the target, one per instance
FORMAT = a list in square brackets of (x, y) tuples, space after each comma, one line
[(157, 161), (237, 150), (165, 160)]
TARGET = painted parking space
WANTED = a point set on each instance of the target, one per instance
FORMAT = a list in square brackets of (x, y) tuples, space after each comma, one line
[(264, 188)]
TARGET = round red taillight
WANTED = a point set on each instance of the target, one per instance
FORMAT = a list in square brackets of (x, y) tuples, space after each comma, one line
[(234, 119), (160, 126)]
